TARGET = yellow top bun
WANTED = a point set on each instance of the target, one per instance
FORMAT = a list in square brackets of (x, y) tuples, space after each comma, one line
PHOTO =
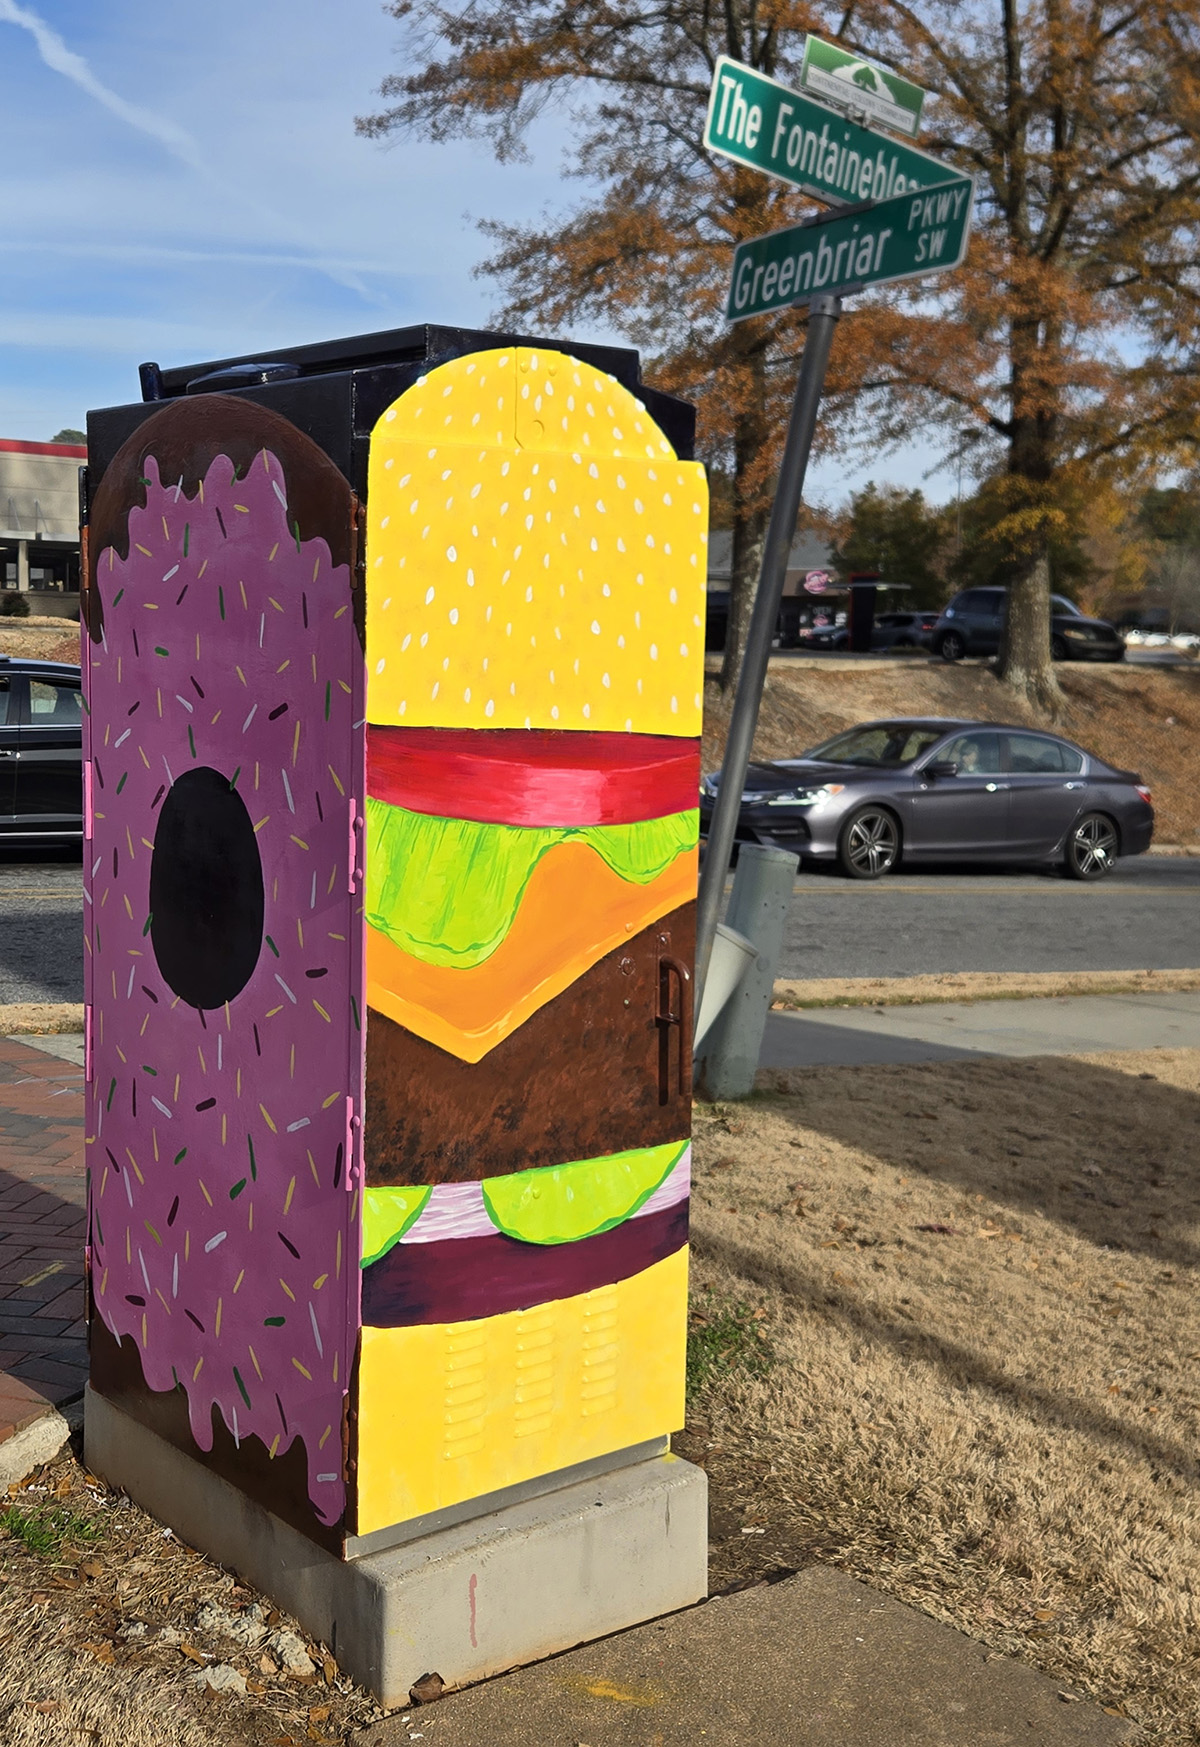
[(535, 554)]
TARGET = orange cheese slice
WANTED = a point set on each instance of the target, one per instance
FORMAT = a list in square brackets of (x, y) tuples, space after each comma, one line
[(575, 910)]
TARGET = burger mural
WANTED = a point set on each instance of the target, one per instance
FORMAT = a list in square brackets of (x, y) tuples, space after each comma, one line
[(391, 863)]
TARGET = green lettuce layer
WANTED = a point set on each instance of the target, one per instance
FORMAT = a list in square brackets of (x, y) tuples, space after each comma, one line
[(447, 890)]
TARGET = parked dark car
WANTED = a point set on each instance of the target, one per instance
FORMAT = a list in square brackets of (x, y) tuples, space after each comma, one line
[(929, 789), (41, 738), (973, 622), (822, 637), (910, 630)]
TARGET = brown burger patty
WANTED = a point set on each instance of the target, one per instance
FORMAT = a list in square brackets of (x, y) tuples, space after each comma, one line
[(584, 1076)]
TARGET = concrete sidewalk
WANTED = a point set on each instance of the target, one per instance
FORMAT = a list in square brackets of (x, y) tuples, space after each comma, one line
[(43, 1349), (817, 1660), (959, 1031)]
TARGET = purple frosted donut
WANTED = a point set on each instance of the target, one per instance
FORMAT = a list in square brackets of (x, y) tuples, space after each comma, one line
[(225, 699)]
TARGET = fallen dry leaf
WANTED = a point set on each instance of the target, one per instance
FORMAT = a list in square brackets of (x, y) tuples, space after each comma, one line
[(193, 1655)]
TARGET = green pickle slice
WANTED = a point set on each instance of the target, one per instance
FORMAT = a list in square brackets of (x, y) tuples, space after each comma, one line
[(559, 1204), (387, 1215)]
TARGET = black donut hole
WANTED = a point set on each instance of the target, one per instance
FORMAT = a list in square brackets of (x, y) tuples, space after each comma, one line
[(206, 890)]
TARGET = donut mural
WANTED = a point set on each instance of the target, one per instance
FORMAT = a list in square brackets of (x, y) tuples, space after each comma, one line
[(390, 868), (223, 758), (535, 584)]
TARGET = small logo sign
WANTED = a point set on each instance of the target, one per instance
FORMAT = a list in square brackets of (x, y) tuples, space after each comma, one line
[(816, 582), (852, 83)]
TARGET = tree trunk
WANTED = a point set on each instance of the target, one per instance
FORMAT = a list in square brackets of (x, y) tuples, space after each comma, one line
[(1025, 661), (750, 508), (746, 562)]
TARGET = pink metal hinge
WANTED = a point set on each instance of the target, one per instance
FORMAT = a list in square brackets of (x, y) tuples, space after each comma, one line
[(353, 1130), (354, 841)]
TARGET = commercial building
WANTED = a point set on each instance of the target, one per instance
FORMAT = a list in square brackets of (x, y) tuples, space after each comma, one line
[(39, 523)]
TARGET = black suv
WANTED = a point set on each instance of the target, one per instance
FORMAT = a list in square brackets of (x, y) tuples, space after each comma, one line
[(973, 622), (41, 749)]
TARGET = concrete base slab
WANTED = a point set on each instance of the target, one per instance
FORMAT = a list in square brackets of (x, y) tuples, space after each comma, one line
[(818, 1660), (472, 1600)]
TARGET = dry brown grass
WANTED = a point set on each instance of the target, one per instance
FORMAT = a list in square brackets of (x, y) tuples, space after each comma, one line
[(1140, 718), (995, 1417), (40, 1018), (40, 638), (74, 1674), (969, 986)]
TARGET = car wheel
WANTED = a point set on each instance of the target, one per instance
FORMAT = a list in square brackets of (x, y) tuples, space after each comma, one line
[(869, 845), (1058, 649), (952, 647), (1092, 848)]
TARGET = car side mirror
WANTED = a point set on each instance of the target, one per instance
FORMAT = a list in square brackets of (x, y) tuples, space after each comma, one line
[(941, 767)]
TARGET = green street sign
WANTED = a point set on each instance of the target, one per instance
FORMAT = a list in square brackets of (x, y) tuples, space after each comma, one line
[(757, 121), (903, 238), (852, 83)]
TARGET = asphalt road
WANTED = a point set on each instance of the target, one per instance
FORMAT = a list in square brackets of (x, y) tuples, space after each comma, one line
[(41, 933), (1145, 917)]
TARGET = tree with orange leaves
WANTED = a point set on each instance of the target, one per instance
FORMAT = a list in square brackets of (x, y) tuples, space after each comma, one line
[(1070, 337)]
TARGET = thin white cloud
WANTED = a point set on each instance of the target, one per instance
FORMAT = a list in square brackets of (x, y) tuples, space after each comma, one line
[(60, 59), (81, 248), (176, 140)]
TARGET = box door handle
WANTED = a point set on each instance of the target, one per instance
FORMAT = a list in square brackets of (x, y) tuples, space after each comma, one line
[(674, 1014)]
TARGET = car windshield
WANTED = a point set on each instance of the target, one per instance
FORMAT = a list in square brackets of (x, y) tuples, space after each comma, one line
[(1062, 605), (883, 743)]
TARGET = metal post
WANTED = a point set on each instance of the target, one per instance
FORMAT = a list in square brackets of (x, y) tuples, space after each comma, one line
[(823, 315), (758, 909)]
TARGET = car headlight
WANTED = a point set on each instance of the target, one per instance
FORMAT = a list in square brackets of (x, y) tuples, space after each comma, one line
[(806, 797), (1071, 631), (708, 788)]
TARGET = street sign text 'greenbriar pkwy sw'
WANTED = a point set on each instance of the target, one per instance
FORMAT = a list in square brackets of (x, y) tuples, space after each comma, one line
[(768, 126), (901, 238)]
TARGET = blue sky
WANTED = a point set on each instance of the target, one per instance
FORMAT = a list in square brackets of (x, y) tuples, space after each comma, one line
[(189, 185)]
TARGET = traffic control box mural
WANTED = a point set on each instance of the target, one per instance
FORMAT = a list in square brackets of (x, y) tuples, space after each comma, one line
[(391, 853)]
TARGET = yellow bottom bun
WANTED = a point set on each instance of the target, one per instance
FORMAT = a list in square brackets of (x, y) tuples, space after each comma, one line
[(450, 1411)]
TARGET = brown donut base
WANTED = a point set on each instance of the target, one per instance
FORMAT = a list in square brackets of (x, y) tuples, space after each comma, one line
[(279, 1484)]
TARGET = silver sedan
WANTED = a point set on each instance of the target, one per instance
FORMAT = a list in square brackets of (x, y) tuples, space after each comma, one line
[(930, 789)]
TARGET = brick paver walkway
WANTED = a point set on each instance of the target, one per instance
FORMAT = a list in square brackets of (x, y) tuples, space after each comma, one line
[(43, 1355)]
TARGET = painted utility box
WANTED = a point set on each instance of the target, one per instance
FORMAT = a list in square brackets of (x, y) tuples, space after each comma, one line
[(393, 670)]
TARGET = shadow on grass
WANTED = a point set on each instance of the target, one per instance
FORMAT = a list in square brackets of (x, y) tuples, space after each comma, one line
[(1109, 1155), (960, 1365)]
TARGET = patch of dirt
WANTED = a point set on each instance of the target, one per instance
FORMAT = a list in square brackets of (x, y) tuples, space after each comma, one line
[(40, 638), (1137, 718), (106, 1620), (969, 986), (979, 1281), (40, 1018)]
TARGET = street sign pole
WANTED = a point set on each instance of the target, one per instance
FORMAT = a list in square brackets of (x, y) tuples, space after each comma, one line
[(823, 314)]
